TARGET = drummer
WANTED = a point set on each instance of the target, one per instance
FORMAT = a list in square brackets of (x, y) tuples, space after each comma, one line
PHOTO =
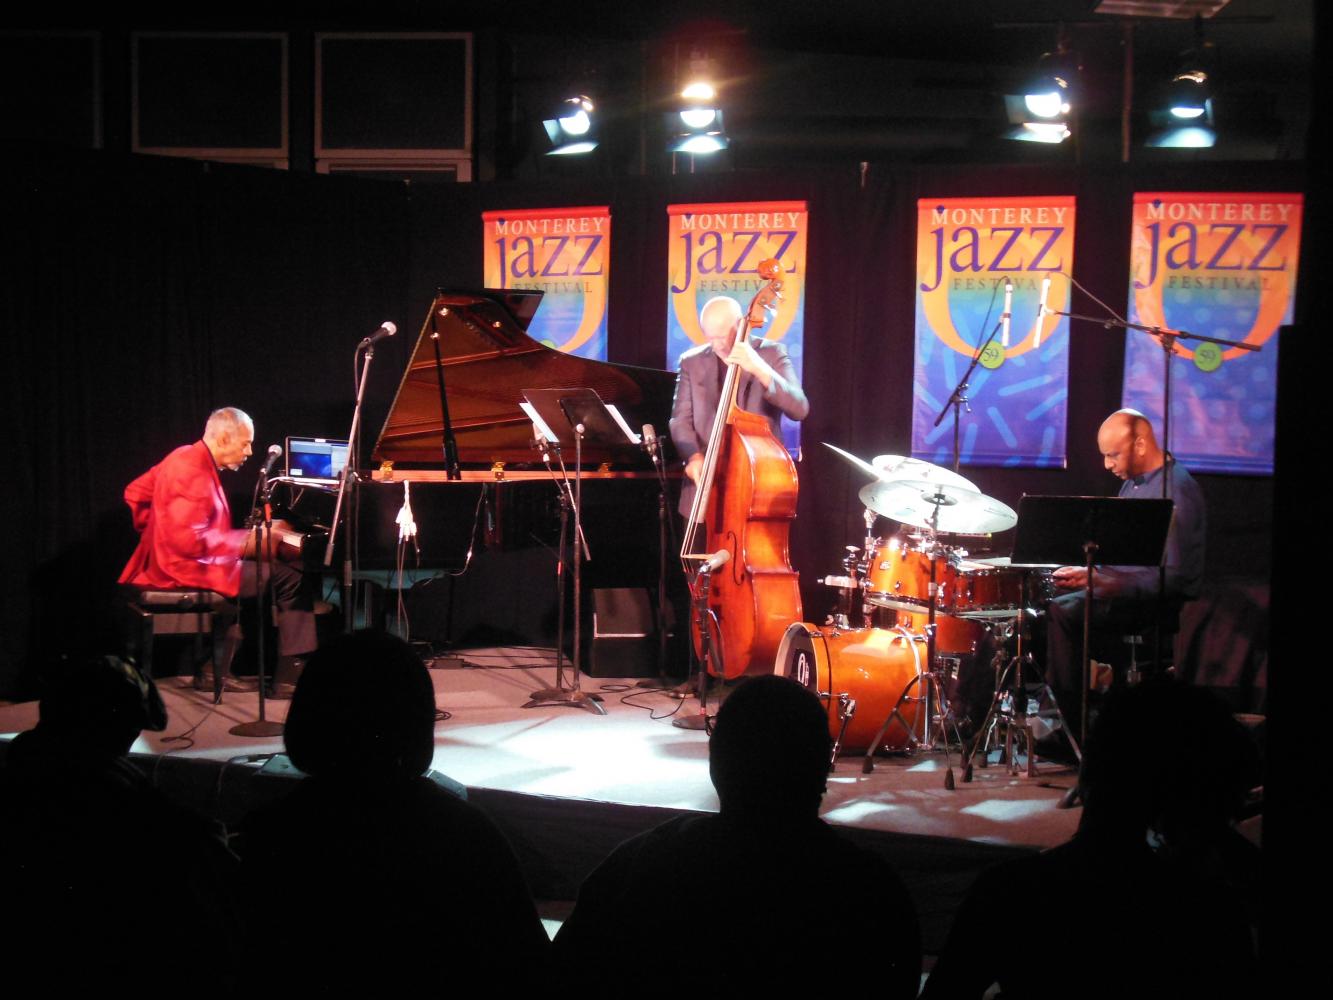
[(1126, 596)]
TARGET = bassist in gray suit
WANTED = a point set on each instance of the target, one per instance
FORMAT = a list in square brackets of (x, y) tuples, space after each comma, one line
[(768, 386)]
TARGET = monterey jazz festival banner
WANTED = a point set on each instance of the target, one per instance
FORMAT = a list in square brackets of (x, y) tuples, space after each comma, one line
[(966, 249), (564, 252), (1220, 265), (715, 250)]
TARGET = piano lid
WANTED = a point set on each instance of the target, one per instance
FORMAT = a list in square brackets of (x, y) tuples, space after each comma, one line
[(488, 361)]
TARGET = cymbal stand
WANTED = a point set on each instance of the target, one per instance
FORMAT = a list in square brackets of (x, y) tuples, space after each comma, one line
[(934, 725), (869, 550)]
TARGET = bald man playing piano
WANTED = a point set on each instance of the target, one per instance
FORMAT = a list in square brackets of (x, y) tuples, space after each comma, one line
[(1126, 597), (187, 542)]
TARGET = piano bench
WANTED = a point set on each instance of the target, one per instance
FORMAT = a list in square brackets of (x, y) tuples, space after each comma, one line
[(148, 613)]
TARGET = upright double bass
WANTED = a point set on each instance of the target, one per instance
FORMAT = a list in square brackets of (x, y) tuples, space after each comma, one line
[(744, 506)]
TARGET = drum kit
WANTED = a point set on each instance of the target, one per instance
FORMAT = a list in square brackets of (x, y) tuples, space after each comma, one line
[(920, 627)]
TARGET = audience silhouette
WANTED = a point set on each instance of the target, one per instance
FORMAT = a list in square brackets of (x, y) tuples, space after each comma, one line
[(763, 894), (107, 884), (369, 876), (1143, 901)]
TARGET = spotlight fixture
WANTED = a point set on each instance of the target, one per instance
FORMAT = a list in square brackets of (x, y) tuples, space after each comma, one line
[(696, 126), (571, 127), (1046, 95), (1040, 111), (1184, 119), (1189, 95)]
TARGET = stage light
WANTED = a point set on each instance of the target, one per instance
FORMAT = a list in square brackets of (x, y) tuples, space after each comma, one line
[(1049, 132), (697, 124), (1040, 110), (1184, 137), (1184, 117), (1047, 94), (571, 127), (1189, 95)]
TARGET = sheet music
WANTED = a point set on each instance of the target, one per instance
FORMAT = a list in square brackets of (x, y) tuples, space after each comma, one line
[(538, 422), (615, 413)]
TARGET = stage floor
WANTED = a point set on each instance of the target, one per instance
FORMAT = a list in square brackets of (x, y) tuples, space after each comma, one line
[(568, 785)]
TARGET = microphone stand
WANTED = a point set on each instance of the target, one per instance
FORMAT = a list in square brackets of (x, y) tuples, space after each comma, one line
[(654, 447), (346, 485), (958, 398), (575, 697), (261, 521)]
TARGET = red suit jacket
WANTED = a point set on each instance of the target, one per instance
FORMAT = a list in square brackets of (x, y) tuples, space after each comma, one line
[(186, 538)]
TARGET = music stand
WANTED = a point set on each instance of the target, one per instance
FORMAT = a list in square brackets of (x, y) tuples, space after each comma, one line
[(562, 417), (1107, 531)]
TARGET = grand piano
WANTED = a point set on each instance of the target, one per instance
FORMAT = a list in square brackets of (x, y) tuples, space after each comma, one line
[(490, 534)]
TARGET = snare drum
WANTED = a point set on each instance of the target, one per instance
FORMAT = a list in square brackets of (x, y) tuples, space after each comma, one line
[(898, 577), (983, 591), (874, 666)]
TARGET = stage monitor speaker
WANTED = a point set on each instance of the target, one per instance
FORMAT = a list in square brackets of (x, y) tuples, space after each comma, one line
[(622, 640)]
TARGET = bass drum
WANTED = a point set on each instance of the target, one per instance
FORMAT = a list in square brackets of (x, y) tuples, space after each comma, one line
[(872, 665)]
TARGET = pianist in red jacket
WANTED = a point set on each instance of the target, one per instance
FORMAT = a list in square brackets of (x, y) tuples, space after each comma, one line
[(186, 538)]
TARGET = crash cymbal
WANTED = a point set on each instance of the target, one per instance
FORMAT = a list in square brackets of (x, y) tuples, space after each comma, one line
[(896, 468), (900, 468), (941, 507), (860, 463)]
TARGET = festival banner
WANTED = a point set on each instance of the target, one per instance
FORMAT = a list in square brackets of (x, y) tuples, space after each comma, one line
[(1221, 265), (966, 249), (564, 252), (715, 249)]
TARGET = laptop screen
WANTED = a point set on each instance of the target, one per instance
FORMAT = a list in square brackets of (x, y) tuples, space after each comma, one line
[(315, 458)]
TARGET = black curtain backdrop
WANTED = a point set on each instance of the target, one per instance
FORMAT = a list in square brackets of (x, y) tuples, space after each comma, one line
[(140, 294), (143, 292)]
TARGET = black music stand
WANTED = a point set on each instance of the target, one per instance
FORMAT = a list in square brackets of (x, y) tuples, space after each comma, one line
[(1107, 531), (573, 416)]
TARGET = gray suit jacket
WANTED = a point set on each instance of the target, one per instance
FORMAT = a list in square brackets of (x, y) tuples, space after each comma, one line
[(697, 391)]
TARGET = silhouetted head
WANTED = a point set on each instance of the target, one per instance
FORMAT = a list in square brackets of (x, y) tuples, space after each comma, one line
[(363, 705), (1209, 762), (1165, 755), (98, 707), (769, 753)]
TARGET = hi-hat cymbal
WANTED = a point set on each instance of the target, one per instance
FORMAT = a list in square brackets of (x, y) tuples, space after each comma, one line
[(896, 468), (944, 508), (901, 469)]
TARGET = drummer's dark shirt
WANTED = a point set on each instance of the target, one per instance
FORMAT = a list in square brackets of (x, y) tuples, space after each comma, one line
[(1184, 541)]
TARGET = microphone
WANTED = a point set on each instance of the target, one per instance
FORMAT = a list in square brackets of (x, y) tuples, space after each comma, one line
[(1042, 311), (1008, 312), (274, 453), (650, 440), (386, 329), (717, 560)]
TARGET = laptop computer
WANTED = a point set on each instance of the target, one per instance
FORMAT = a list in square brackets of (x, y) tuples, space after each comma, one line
[(315, 459)]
